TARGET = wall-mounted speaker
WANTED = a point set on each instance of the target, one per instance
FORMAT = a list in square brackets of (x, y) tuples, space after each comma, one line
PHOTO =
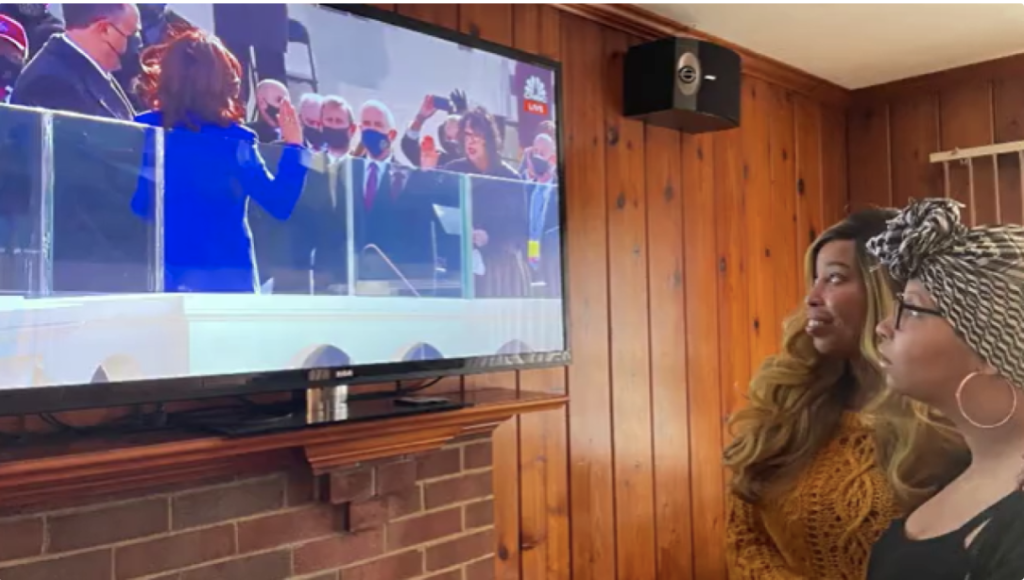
[(683, 83)]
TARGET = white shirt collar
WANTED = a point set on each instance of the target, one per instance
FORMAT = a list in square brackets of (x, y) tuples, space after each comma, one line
[(89, 58)]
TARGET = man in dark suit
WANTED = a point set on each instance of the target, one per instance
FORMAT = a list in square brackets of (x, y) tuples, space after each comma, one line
[(98, 245), (73, 71), (388, 222), (391, 206)]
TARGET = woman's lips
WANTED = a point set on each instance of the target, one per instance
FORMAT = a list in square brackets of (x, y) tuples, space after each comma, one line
[(818, 327)]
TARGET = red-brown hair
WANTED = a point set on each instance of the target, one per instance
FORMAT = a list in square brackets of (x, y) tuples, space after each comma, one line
[(192, 79)]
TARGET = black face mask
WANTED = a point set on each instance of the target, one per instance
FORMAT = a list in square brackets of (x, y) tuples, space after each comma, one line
[(272, 112), (131, 64), (315, 137), (9, 71), (337, 139), (540, 165)]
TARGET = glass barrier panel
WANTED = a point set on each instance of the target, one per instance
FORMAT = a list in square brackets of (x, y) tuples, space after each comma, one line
[(306, 251), (500, 239), (101, 171), (406, 230), (24, 231)]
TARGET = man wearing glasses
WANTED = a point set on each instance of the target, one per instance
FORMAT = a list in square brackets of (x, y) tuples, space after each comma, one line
[(72, 72)]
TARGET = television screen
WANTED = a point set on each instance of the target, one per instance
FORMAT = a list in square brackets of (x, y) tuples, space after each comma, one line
[(212, 190)]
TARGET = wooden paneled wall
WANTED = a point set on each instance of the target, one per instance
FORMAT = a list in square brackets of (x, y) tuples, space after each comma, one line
[(684, 254), (894, 127)]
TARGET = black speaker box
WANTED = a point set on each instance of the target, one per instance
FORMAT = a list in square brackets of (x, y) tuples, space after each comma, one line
[(683, 83)]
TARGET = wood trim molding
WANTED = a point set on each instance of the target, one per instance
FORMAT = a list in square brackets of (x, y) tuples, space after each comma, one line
[(990, 70), (647, 25), (88, 468)]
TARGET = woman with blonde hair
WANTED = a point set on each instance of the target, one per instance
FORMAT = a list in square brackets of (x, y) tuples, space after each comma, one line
[(823, 459)]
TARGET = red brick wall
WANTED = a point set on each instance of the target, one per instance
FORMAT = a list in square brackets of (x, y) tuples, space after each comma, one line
[(429, 516)]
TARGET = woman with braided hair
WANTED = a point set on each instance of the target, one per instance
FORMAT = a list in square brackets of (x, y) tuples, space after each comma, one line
[(822, 458), (956, 343)]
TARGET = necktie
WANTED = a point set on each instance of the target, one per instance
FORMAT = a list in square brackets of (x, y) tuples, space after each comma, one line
[(371, 187)]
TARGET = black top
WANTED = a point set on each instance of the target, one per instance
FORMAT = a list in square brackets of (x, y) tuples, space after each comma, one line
[(897, 557)]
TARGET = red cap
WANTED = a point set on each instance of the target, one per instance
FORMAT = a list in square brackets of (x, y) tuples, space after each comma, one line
[(14, 33)]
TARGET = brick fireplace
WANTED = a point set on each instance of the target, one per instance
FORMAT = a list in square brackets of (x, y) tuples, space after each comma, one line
[(427, 516)]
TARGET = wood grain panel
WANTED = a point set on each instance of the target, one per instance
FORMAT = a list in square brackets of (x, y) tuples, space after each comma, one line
[(835, 200), (684, 253), (782, 150), (592, 509), (964, 107), (915, 135), (628, 306), (810, 191), (1008, 125), (763, 321), (699, 225), (733, 320), (491, 22), (669, 385), (869, 172)]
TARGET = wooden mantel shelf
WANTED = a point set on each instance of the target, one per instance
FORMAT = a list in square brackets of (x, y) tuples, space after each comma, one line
[(90, 466)]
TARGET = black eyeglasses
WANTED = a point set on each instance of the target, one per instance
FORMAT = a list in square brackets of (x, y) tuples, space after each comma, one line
[(901, 306)]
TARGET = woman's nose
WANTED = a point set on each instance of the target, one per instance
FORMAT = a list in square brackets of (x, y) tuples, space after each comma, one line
[(813, 297), (884, 328)]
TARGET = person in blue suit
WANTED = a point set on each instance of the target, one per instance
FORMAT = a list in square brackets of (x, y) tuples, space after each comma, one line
[(212, 168)]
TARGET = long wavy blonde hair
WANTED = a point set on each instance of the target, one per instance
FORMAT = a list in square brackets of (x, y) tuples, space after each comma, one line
[(798, 397)]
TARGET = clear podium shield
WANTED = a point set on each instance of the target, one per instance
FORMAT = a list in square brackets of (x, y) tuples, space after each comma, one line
[(96, 169), (406, 229), (25, 200), (499, 239), (305, 253)]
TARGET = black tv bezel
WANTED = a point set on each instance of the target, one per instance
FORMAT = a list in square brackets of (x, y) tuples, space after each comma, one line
[(50, 399)]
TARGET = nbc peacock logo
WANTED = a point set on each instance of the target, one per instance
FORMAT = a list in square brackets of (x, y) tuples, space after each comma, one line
[(535, 96)]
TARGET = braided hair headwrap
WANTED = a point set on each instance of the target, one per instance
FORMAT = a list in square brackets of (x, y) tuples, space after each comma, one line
[(975, 275)]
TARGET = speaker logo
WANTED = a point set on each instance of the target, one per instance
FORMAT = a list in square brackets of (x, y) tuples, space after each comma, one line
[(688, 75), (535, 96)]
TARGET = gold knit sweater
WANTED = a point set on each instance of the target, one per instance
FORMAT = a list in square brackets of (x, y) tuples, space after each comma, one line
[(823, 526)]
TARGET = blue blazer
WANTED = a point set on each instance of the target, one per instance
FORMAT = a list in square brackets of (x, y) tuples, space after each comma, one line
[(209, 177)]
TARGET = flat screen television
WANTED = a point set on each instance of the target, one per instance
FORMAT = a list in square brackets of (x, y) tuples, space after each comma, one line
[(202, 200)]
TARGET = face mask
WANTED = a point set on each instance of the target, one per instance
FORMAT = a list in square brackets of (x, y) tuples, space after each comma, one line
[(130, 58), (337, 139), (376, 143), (315, 137), (540, 165), (272, 112), (9, 71)]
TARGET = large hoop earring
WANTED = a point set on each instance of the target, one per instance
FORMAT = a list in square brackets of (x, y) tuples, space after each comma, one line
[(960, 404)]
